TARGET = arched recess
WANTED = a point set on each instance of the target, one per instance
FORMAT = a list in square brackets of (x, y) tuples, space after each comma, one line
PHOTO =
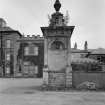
[(57, 45)]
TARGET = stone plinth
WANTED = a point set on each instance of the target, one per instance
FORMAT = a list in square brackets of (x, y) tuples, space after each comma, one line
[(69, 76), (57, 79), (45, 76)]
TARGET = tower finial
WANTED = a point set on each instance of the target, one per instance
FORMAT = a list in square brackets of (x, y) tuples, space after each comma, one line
[(57, 5)]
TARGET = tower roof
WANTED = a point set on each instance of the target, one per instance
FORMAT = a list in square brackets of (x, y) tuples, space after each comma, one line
[(2, 22), (3, 25), (4, 28), (57, 5)]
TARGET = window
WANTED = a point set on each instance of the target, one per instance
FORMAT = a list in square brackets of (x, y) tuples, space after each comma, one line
[(36, 69), (31, 50), (7, 70), (103, 59), (35, 50), (26, 63), (8, 43), (99, 58), (25, 69), (31, 69), (8, 57), (26, 51)]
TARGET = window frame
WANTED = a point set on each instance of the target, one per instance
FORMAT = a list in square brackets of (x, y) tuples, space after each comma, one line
[(8, 44), (8, 57)]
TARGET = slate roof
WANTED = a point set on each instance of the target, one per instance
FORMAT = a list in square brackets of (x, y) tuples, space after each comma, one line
[(6, 29), (98, 51), (79, 51), (83, 60), (9, 29)]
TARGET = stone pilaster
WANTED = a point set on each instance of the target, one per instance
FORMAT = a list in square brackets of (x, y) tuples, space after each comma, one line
[(69, 68), (45, 52), (16, 47), (69, 76), (45, 76), (45, 69)]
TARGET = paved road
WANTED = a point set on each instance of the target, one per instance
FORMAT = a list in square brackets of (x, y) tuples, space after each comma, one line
[(24, 92), (18, 85)]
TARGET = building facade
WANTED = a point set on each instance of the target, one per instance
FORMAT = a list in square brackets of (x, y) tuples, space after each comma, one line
[(20, 56), (35, 56), (97, 54), (8, 49), (31, 56)]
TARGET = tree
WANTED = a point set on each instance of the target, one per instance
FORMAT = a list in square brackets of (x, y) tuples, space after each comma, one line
[(49, 18), (86, 46), (66, 18), (75, 45)]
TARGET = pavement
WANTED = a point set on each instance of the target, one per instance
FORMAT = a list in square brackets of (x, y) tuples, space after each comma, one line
[(18, 91)]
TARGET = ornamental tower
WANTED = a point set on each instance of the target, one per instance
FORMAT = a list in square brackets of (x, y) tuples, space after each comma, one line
[(57, 69)]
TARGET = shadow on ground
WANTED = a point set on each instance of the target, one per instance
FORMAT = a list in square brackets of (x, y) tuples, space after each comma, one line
[(22, 90)]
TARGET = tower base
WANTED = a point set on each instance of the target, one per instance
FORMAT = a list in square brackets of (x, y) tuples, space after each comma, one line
[(69, 76), (56, 79), (45, 76)]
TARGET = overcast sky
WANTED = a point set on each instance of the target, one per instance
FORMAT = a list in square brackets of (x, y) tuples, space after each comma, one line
[(88, 17)]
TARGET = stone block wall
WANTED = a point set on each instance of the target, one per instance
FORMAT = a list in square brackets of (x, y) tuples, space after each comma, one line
[(57, 79), (95, 77)]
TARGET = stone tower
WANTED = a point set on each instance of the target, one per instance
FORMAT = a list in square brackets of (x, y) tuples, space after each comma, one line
[(57, 71)]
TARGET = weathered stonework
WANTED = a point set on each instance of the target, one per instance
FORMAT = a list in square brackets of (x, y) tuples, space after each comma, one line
[(12, 58), (57, 70), (28, 70)]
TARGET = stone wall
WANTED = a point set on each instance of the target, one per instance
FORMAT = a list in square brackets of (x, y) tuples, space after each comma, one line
[(57, 60), (32, 60), (96, 77), (57, 79)]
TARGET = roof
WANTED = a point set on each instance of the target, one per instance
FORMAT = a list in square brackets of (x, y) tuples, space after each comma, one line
[(79, 51), (3, 25), (98, 51), (6, 29), (83, 60)]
